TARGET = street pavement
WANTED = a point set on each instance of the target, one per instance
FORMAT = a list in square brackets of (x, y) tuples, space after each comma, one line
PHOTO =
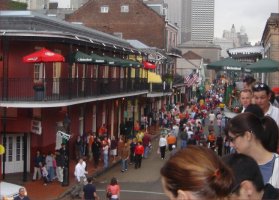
[(138, 184)]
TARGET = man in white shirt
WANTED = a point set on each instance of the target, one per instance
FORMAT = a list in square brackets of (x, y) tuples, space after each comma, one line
[(262, 94), (80, 170)]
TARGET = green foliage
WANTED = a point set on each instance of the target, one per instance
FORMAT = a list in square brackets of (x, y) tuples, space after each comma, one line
[(13, 5), (168, 78)]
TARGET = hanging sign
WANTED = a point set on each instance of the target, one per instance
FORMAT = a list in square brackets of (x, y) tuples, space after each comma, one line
[(36, 127)]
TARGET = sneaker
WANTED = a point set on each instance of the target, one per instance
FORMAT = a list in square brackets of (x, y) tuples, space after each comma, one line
[(126, 169), (122, 170)]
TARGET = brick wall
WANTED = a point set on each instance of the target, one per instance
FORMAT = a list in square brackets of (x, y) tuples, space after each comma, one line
[(140, 23)]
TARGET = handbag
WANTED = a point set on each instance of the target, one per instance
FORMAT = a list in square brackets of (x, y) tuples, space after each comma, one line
[(109, 194)]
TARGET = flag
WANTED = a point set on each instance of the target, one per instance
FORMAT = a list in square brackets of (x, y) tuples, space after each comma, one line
[(187, 78), (192, 79)]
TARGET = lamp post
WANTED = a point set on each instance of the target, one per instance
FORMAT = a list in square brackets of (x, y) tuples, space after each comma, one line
[(66, 173)]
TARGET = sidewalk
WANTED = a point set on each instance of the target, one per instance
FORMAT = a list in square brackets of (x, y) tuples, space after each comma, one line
[(36, 189)]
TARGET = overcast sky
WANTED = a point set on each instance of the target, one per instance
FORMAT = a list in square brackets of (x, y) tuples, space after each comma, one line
[(252, 14)]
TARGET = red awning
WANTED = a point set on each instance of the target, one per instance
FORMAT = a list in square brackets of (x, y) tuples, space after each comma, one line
[(43, 55), (148, 65)]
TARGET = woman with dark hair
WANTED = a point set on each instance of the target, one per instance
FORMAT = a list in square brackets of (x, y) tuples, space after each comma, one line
[(113, 190), (196, 173), (257, 138), (248, 180)]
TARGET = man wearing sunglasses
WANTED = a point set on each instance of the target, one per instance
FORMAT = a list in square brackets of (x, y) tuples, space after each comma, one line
[(262, 95)]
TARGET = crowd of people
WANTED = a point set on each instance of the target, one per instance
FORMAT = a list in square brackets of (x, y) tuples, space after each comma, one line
[(251, 171), (196, 135)]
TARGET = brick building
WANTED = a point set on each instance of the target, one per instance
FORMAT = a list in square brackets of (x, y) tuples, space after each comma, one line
[(129, 19)]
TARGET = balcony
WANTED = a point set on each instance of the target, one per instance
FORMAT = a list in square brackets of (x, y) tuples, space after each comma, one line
[(61, 89)]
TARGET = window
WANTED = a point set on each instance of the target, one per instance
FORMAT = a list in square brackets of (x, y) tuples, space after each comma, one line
[(124, 8), (38, 72), (118, 34), (104, 9)]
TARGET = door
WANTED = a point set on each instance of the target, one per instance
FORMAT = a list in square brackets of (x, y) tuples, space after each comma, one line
[(14, 153), (56, 77)]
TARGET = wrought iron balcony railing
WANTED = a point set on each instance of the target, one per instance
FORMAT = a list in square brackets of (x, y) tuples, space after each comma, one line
[(24, 89)]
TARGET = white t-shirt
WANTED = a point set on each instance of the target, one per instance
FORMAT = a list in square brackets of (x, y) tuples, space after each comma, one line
[(273, 112)]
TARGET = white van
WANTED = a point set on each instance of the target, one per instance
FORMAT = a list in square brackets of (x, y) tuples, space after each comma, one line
[(8, 190)]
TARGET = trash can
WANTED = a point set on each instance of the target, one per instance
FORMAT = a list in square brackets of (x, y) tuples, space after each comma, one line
[(39, 92)]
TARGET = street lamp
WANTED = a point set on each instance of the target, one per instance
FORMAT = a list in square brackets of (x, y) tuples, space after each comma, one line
[(66, 171)]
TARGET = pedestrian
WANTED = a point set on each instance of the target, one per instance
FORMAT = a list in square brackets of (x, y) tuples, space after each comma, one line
[(248, 182), (146, 141), (78, 147), (183, 137), (113, 148), (96, 150), (196, 173), (132, 150), (89, 191), (245, 98), (257, 138), (163, 145), (192, 140), (211, 140), (139, 151), (171, 140), (80, 174), (49, 165), (124, 154), (38, 161), (105, 154), (45, 174), (113, 190), (262, 95), (60, 163), (22, 194)]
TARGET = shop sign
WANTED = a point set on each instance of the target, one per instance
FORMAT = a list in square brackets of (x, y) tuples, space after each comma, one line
[(36, 127)]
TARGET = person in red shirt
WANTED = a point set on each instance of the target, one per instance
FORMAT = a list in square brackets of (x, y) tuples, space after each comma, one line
[(139, 151)]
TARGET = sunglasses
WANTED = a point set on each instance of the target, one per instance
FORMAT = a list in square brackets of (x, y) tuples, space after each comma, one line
[(232, 139), (260, 86)]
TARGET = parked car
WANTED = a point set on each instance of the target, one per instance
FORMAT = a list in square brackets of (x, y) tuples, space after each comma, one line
[(8, 190)]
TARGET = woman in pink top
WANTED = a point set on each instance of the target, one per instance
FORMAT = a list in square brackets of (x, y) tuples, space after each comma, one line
[(114, 189)]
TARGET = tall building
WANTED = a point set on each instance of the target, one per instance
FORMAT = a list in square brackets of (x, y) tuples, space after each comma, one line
[(174, 15), (197, 23)]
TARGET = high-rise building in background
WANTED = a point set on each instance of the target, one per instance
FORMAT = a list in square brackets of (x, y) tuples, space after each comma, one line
[(197, 20), (174, 14)]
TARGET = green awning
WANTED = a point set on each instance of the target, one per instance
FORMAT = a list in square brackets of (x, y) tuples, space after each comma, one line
[(96, 59), (128, 63), (226, 64), (80, 57), (111, 61), (264, 65)]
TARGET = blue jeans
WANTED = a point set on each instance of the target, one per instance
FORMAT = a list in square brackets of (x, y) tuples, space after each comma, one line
[(105, 160), (50, 171), (146, 150), (183, 144), (124, 164)]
